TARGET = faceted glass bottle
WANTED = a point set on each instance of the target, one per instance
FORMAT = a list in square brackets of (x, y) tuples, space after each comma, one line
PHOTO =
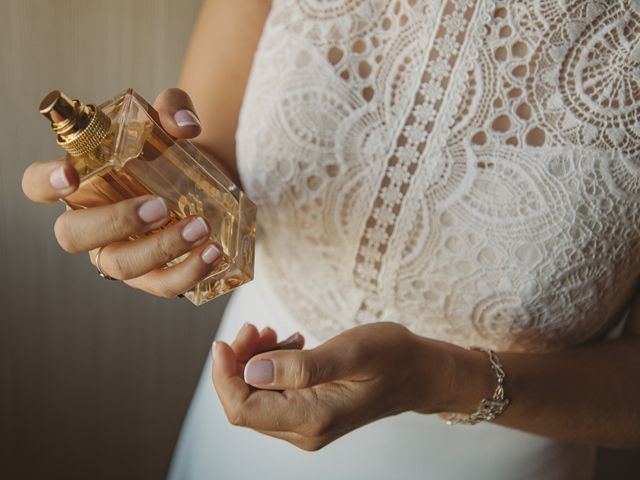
[(120, 150)]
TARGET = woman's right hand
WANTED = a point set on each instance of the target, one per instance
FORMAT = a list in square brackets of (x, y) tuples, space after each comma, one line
[(140, 262)]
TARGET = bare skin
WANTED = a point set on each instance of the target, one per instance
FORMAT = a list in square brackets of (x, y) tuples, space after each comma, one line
[(215, 74), (587, 394)]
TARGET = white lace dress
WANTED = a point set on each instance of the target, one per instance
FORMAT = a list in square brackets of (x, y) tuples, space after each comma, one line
[(470, 169)]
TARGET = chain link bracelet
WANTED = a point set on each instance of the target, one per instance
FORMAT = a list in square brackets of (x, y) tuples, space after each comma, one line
[(488, 408)]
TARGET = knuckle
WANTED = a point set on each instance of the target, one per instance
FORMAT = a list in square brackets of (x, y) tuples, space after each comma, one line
[(65, 234), (165, 247), (117, 266), (312, 444), (304, 371), (122, 221), (236, 417), (163, 290), (320, 427)]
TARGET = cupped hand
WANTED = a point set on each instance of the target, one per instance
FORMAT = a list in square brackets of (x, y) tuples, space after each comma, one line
[(141, 262), (312, 397)]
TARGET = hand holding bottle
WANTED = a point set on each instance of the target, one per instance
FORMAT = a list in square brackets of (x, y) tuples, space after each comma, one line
[(141, 263)]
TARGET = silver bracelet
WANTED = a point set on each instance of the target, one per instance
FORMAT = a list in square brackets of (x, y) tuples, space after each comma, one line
[(488, 408)]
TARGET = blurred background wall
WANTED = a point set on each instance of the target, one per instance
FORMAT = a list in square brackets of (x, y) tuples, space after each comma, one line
[(95, 378)]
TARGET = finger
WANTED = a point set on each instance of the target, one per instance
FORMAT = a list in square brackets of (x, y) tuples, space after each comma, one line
[(294, 341), (85, 229), (259, 410), (225, 374), (249, 342), (46, 182), (131, 259), (246, 342), (177, 113), (268, 339), (174, 280), (296, 369)]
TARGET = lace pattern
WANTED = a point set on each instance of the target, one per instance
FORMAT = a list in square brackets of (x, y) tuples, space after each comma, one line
[(470, 169)]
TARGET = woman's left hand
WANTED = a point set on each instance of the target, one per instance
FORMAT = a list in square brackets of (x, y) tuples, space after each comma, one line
[(311, 397)]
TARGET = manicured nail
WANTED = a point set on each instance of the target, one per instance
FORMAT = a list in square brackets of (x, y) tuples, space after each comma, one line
[(153, 210), (186, 118), (196, 229), (295, 338), (265, 330), (58, 179), (259, 372), (210, 254), (244, 326)]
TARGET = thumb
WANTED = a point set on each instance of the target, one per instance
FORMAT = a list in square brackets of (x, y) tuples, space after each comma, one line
[(294, 369), (177, 113)]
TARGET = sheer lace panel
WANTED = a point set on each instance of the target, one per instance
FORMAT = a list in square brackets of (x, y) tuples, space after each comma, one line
[(468, 168)]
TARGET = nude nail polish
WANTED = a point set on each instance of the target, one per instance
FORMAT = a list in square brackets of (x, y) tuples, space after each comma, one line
[(259, 372), (195, 230), (120, 149), (153, 210), (186, 118), (58, 179), (210, 254)]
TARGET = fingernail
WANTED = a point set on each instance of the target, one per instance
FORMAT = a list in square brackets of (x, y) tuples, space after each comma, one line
[(210, 254), (213, 350), (58, 179), (186, 118), (153, 210), (265, 330), (293, 338), (195, 230), (243, 329), (259, 372)]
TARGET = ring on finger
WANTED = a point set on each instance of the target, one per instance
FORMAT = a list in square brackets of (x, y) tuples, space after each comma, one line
[(100, 271)]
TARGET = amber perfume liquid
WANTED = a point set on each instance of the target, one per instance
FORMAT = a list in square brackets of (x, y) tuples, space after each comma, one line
[(120, 151)]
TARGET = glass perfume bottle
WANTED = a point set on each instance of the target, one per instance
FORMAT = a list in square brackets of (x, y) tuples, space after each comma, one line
[(120, 150)]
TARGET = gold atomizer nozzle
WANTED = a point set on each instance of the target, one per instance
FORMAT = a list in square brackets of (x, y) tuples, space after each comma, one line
[(80, 128)]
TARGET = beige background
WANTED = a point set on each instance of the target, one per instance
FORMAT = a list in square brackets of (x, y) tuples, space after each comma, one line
[(94, 377)]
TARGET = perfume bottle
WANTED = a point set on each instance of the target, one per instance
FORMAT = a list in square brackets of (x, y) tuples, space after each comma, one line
[(120, 150)]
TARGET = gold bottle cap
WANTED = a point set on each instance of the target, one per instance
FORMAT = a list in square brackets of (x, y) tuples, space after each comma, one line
[(80, 128)]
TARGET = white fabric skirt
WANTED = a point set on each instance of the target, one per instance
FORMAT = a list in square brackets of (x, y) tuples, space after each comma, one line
[(407, 446)]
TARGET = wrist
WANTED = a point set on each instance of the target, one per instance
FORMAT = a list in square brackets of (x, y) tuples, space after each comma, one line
[(473, 380), (456, 379)]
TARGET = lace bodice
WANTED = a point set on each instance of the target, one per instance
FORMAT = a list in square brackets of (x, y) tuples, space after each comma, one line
[(470, 169)]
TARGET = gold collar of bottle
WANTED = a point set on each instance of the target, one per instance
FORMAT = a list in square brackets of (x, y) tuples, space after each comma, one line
[(80, 128)]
